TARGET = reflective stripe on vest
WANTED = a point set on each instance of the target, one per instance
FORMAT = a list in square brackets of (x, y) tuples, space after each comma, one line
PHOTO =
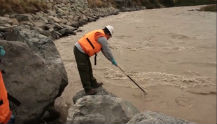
[(89, 42), (5, 112)]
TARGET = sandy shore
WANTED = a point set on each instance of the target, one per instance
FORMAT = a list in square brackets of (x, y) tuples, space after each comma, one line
[(170, 52)]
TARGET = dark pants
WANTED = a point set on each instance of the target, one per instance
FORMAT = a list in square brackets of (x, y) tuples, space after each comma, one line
[(85, 70)]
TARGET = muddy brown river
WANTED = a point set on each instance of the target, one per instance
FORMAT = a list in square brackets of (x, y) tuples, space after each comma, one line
[(170, 52)]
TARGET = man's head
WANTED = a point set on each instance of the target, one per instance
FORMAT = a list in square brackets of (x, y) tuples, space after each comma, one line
[(109, 30)]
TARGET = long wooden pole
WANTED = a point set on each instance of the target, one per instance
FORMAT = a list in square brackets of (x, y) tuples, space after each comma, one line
[(133, 81)]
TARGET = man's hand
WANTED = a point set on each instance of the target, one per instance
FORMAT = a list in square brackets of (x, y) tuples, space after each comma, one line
[(2, 51), (114, 62)]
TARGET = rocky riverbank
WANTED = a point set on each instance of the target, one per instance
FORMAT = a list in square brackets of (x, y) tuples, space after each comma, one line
[(32, 63), (34, 71), (35, 74)]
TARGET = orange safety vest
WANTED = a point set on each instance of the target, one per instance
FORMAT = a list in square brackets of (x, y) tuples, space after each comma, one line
[(5, 112), (89, 42)]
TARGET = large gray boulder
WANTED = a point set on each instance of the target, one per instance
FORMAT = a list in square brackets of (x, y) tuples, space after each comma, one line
[(149, 117), (100, 109), (34, 78)]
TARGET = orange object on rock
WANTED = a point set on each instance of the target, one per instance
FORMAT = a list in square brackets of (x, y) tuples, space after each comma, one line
[(5, 112)]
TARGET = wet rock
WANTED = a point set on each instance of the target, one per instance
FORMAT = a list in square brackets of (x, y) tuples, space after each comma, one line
[(51, 115), (38, 23), (22, 17), (60, 12), (57, 27), (100, 91), (52, 13), (74, 24), (100, 109), (28, 23), (67, 30), (46, 27), (90, 19), (6, 28), (82, 20), (53, 19), (1, 35), (41, 16), (45, 32), (149, 117), (14, 21), (62, 108), (4, 20), (55, 34)]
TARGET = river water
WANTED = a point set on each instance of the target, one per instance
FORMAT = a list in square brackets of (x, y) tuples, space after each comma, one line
[(170, 52)]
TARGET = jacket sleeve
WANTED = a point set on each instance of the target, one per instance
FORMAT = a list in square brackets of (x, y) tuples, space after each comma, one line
[(105, 48)]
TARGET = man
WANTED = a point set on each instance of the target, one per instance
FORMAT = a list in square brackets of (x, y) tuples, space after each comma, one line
[(90, 44), (6, 116)]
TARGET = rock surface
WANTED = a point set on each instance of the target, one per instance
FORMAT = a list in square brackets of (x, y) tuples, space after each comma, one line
[(149, 117), (100, 109), (30, 49), (31, 79), (100, 91), (61, 20)]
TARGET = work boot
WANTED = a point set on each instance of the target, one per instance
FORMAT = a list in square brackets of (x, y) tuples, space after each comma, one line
[(97, 85), (91, 92)]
